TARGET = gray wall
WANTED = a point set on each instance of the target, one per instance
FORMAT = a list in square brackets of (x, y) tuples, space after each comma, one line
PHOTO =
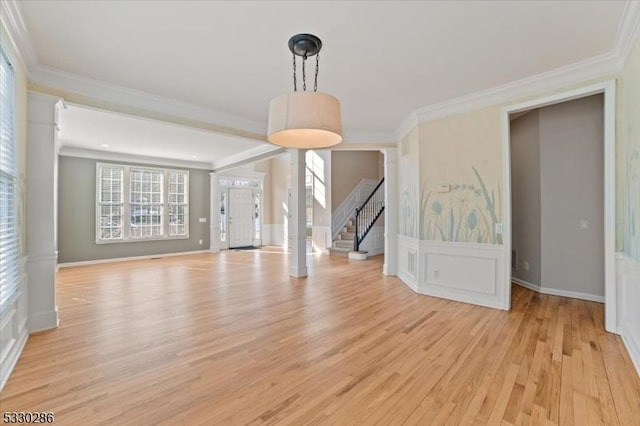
[(572, 185), (525, 190), (77, 216), (570, 190)]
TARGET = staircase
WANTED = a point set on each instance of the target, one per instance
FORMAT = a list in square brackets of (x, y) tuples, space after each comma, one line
[(344, 243), (347, 243)]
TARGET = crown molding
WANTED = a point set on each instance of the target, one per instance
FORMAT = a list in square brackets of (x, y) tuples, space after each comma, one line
[(258, 153), (16, 30), (628, 32), (12, 20), (70, 151), (51, 77), (405, 127), (574, 74)]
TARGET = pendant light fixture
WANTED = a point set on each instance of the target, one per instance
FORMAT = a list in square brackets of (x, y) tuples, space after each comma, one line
[(305, 119)]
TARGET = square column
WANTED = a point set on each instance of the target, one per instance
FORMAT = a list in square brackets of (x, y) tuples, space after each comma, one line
[(214, 213), (41, 211), (297, 235), (391, 211)]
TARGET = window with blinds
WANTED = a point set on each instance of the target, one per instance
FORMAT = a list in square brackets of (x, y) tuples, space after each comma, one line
[(9, 226), (146, 203), (110, 203), (178, 207), (136, 203)]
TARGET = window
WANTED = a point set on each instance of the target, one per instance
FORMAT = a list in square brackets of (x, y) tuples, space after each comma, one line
[(155, 201), (110, 203), (223, 217), (9, 247)]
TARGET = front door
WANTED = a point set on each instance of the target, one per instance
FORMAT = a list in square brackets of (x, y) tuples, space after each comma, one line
[(241, 215)]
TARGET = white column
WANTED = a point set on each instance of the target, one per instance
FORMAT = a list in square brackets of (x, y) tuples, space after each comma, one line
[(41, 211), (297, 216), (391, 204), (214, 213)]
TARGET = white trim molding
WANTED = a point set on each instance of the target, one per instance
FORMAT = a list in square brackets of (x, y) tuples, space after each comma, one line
[(96, 89), (13, 22), (559, 292), (407, 263), (126, 259), (628, 279), (68, 151), (608, 88), (261, 152), (465, 272), (628, 32), (600, 66), (13, 328)]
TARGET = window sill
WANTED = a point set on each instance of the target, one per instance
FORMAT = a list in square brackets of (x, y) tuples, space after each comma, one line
[(139, 240)]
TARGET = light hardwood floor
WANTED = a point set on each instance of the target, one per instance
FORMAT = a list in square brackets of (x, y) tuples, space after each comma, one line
[(230, 338)]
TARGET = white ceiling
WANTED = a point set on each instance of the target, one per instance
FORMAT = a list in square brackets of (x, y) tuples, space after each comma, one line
[(383, 59), (108, 132)]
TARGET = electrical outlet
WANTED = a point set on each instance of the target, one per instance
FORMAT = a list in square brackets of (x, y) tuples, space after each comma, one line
[(584, 224), (526, 266), (498, 228), (200, 242), (202, 220), (436, 273)]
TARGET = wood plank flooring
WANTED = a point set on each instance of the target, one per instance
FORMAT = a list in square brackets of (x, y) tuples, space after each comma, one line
[(230, 338)]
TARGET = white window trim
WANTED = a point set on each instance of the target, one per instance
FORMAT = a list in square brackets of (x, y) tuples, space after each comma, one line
[(8, 305), (126, 204)]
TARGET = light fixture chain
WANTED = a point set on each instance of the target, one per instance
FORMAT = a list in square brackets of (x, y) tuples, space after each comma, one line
[(295, 81), (304, 74), (315, 84)]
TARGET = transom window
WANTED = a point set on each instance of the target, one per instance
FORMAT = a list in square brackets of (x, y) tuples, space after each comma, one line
[(155, 203)]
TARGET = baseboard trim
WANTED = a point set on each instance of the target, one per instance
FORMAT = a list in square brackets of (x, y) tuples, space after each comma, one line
[(125, 259), (43, 321), (556, 292), (12, 357), (633, 349)]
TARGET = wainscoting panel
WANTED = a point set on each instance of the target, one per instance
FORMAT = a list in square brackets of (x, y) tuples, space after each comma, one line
[(408, 261), (13, 330), (470, 273), (628, 285), (374, 241)]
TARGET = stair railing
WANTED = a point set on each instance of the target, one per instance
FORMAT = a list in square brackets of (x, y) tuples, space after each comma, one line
[(368, 213)]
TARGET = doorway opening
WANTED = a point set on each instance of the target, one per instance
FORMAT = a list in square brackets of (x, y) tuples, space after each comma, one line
[(559, 179), (241, 207)]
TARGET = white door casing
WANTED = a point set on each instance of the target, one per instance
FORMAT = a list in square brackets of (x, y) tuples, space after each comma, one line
[(608, 88)]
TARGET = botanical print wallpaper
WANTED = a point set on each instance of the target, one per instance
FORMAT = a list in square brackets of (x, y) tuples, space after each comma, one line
[(461, 194), (632, 240), (408, 171), (629, 134), (468, 212)]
